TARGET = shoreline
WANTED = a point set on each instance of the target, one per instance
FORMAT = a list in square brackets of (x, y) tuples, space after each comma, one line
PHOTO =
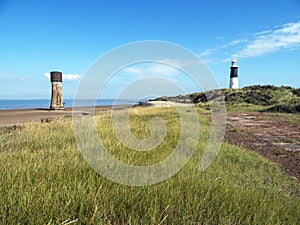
[(11, 117)]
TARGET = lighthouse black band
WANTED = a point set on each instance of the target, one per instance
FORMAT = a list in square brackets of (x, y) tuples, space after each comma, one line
[(233, 72)]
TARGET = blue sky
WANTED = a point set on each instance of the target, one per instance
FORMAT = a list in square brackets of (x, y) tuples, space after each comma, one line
[(40, 36)]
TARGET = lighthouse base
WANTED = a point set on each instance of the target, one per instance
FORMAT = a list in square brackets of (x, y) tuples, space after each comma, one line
[(234, 82)]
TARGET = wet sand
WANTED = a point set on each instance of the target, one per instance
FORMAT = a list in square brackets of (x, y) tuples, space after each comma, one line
[(21, 116)]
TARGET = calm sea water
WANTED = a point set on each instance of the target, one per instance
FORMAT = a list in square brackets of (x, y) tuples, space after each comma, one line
[(45, 103)]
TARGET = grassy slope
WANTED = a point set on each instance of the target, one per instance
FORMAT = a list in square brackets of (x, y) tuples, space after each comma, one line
[(267, 97), (44, 179), (263, 95)]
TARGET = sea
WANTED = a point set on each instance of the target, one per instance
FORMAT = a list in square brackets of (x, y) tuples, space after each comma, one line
[(45, 103)]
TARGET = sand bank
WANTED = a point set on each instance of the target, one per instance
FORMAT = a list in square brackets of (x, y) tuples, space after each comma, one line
[(20, 116)]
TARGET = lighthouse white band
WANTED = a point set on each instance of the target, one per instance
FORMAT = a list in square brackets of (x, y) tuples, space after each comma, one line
[(234, 82)]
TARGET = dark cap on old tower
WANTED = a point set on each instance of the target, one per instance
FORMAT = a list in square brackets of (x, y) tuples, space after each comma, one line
[(56, 76)]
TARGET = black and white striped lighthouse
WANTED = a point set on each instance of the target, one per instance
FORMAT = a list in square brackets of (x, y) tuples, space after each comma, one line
[(234, 80)]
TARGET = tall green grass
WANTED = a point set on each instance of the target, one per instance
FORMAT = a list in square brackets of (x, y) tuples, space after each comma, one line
[(45, 180)]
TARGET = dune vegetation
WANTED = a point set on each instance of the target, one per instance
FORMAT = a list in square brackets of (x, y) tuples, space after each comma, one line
[(45, 180), (265, 98)]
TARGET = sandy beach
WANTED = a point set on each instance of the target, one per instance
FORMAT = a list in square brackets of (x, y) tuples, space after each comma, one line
[(21, 116)]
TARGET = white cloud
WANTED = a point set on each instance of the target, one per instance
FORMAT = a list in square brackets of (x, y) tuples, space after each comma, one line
[(211, 51), (151, 69), (66, 77), (220, 38), (9, 75), (285, 37), (70, 77), (133, 70), (181, 63), (236, 42), (164, 68), (24, 77), (47, 75)]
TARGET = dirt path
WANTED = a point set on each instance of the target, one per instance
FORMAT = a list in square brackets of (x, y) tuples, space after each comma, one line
[(273, 138)]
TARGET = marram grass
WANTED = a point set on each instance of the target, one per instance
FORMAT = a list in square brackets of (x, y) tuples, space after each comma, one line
[(45, 180)]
